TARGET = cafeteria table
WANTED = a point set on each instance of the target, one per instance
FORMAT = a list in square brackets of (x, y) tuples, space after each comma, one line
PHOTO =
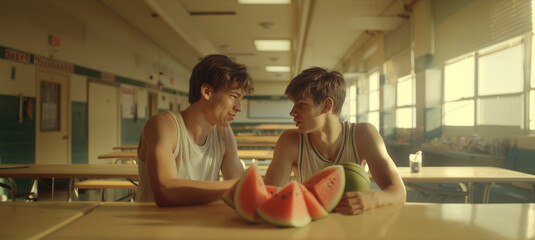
[(70, 171), (469, 175), (219, 221)]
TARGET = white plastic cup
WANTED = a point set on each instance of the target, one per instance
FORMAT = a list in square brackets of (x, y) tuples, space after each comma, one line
[(415, 162)]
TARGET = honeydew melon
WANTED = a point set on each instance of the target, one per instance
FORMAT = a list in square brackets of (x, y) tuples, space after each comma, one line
[(287, 208), (328, 186), (357, 180)]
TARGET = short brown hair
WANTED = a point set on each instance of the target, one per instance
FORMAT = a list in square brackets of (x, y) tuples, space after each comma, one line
[(218, 71), (319, 84)]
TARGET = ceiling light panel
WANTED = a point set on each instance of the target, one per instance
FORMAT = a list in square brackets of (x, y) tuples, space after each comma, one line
[(278, 68), (264, 1), (272, 45)]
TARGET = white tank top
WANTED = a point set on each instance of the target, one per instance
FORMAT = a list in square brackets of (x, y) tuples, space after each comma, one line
[(310, 161), (193, 162)]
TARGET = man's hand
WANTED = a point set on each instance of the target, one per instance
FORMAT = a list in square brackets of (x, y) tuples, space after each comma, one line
[(353, 203)]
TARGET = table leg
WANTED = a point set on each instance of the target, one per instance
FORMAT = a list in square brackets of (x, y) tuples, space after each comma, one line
[(13, 188), (71, 184), (486, 192), (52, 189), (470, 194)]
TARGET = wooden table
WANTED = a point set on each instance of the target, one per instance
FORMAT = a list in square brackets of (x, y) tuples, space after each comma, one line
[(126, 147), (268, 126), (119, 155), (256, 144), (242, 154), (20, 220), (71, 171), (257, 138), (218, 221), (468, 175), (255, 154)]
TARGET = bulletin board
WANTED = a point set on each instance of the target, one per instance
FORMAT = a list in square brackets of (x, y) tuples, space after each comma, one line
[(263, 108)]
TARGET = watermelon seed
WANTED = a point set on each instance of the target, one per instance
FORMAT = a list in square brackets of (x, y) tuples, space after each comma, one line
[(283, 197)]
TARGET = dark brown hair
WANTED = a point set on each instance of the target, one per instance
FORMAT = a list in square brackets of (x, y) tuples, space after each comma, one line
[(218, 71), (319, 84)]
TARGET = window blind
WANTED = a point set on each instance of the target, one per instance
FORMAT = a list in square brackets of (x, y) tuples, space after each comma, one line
[(464, 26)]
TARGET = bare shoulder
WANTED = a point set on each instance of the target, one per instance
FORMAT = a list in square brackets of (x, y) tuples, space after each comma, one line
[(289, 138), (365, 131), (159, 126)]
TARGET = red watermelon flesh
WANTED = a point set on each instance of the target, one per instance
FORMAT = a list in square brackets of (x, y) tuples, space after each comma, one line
[(250, 193), (228, 196), (328, 186), (271, 190), (287, 208), (315, 209)]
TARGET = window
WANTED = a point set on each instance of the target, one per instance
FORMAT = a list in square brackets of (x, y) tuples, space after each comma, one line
[(362, 100), (499, 98), (501, 84), (352, 103), (459, 81), (374, 99), (405, 109)]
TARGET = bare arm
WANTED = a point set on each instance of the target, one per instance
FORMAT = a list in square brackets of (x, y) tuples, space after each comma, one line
[(284, 157), (159, 138), (231, 166), (371, 149)]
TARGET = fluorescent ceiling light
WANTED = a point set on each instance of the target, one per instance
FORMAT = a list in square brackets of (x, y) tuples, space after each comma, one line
[(278, 68), (272, 45), (264, 1)]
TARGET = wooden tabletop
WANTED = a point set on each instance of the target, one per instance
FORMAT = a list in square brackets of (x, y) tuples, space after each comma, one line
[(240, 144), (257, 138), (126, 147), (218, 221), (20, 220), (464, 174), (68, 171), (119, 155), (267, 127), (242, 154), (256, 144), (255, 154)]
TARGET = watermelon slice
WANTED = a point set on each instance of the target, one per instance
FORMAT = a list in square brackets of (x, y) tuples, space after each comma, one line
[(328, 186), (228, 196), (287, 208), (271, 190), (315, 210), (249, 194)]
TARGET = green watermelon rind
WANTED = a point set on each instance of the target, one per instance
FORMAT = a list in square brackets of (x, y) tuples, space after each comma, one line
[(254, 218), (280, 223), (338, 196), (285, 223), (229, 200)]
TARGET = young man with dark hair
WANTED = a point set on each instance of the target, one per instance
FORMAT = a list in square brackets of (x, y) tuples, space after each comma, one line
[(181, 154), (322, 140)]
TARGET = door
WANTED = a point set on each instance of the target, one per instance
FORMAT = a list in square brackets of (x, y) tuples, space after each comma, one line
[(103, 120), (153, 104), (52, 141)]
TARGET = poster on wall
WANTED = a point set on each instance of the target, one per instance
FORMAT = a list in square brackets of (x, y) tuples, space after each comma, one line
[(127, 102)]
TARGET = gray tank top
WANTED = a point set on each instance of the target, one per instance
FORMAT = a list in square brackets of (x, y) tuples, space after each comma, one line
[(310, 161), (193, 162)]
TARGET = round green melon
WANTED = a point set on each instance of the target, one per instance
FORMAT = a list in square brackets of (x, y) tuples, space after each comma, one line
[(357, 180)]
